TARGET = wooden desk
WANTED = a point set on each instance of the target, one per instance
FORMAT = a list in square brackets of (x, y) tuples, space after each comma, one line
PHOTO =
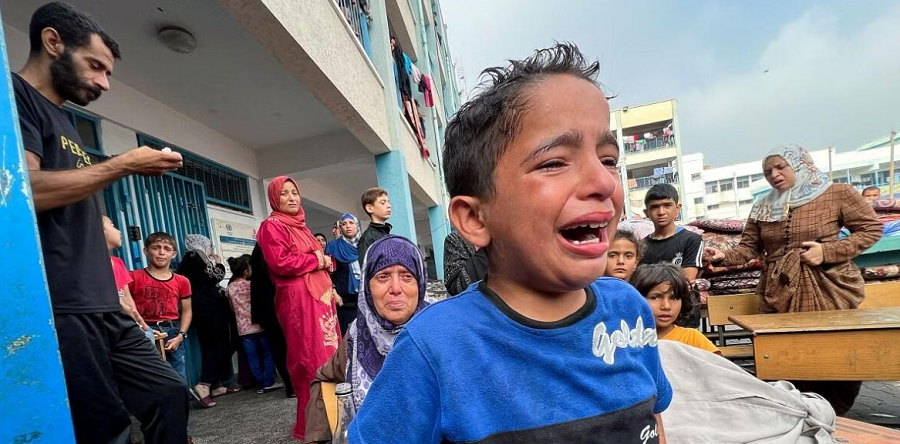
[(839, 345), (855, 432)]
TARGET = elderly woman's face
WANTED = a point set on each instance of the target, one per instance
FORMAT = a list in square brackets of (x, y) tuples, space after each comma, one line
[(395, 293), (779, 173)]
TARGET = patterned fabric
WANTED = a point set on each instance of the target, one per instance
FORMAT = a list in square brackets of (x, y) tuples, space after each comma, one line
[(693, 229), (809, 183), (457, 252), (371, 337), (640, 228), (881, 272), (734, 282), (204, 248), (720, 225), (886, 205), (787, 284), (239, 293)]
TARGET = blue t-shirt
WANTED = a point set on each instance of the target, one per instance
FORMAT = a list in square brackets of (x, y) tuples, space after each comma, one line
[(470, 369)]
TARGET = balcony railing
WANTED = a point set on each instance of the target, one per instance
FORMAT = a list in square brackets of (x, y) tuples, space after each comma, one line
[(641, 183), (657, 143), (357, 14)]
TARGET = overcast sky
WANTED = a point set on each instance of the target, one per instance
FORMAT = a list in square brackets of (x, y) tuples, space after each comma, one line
[(833, 66)]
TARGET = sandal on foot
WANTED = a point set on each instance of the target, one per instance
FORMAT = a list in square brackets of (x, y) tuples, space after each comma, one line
[(207, 402), (228, 391)]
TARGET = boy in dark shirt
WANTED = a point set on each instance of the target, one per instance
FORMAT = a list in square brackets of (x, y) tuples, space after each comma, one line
[(669, 242), (541, 350), (378, 206)]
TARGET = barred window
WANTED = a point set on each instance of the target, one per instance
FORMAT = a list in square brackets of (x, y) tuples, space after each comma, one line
[(224, 186)]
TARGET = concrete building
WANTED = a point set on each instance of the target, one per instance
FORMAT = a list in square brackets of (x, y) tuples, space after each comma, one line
[(272, 87), (650, 141), (730, 190)]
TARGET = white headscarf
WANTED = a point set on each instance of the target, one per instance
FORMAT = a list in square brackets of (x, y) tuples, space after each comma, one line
[(809, 184)]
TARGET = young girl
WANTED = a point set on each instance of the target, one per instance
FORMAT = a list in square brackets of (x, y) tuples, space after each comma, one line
[(668, 292), (255, 342), (623, 255)]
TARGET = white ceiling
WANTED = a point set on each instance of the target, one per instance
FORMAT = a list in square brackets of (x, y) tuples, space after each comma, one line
[(230, 83)]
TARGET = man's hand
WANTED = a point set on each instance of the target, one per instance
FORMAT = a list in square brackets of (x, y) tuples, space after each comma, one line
[(173, 343), (338, 300), (150, 162), (814, 255)]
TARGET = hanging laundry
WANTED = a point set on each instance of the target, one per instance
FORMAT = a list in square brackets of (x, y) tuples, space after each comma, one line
[(425, 87), (416, 74), (632, 184)]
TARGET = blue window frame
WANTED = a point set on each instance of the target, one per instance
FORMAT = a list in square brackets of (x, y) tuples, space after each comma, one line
[(224, 186), (88, 128)]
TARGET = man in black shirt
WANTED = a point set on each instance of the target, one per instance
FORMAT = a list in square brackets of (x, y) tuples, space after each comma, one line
[(110, 370)]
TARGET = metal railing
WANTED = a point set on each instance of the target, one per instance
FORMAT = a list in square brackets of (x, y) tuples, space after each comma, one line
[(641, 183), (650, 144), (357, 14)]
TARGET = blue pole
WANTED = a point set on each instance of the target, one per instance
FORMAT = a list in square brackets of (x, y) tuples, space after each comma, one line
[(440, 228), (34, 406), (390, 169)]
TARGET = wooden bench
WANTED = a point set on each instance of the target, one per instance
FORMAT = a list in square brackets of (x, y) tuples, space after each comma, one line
[(856, 432), (837, 345)]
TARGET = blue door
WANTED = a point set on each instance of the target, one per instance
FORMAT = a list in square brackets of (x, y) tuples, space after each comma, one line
[(169, 203)]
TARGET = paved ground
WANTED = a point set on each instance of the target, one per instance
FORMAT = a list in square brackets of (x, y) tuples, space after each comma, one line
[(245, 418), (248, 418), (878, 403)]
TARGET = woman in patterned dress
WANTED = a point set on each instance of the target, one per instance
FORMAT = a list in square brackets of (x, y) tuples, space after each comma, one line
[(806, 267)]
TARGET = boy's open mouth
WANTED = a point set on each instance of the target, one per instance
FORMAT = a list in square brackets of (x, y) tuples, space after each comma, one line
[(585, 233)]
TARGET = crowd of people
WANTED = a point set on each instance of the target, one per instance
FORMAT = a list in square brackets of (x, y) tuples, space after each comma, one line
[(553, 330)]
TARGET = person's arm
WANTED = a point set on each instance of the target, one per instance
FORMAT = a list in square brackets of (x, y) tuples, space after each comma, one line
[(750, 247), (130, 308), (660, 429), (406, 383), (334, 371), (865, 229), (693, 257), (278, 253), (54, 189), (187, 315)]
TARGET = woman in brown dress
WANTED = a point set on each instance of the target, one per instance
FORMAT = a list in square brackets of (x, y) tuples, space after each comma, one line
[(806, 267)]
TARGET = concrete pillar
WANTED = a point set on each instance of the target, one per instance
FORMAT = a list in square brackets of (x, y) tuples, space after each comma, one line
[(390, 168), (34, 403), (440, 228)]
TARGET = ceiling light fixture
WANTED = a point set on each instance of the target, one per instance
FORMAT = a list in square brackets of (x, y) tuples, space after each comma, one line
[(177, 39)]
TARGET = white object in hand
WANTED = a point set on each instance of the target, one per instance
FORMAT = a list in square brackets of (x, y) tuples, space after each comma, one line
[(167, 150)]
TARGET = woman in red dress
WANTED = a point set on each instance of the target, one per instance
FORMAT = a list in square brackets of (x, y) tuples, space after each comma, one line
[(304, 297)]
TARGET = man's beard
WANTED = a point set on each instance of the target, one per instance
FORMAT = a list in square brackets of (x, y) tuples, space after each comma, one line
[(68, 84)]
